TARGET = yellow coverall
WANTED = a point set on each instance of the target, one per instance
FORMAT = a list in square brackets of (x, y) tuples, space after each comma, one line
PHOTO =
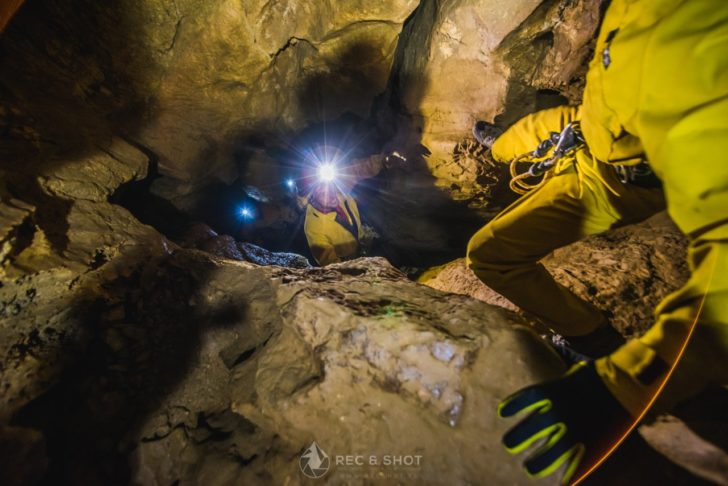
[(657, 90), (329, 241)]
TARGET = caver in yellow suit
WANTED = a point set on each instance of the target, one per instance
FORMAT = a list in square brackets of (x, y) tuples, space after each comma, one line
[(332, 230), (657, 91), (333, 235)]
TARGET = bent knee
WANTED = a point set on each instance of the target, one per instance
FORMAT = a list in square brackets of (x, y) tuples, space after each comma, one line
[(493, 258), (483, 253)]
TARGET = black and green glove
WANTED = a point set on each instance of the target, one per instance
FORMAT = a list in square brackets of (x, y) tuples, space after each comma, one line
[(576, 418)]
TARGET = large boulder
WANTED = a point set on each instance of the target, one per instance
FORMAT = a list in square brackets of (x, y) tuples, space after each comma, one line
[(127, 359), (354, 357)]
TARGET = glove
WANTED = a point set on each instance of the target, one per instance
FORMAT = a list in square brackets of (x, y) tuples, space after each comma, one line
[(576, 416), (394, 159)]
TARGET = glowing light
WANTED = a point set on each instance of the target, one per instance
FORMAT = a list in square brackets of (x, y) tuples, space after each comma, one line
[(290, 183), (327, 172), (246, 213)]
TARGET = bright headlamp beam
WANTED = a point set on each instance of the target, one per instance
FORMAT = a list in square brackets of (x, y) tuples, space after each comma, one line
[(327, 172)]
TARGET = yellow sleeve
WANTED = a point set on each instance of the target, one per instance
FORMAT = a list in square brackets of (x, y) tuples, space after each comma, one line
[(682, 122), (525, 135), (634, 372)]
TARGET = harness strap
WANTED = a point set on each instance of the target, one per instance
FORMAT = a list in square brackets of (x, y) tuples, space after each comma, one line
[(564, 145), (352, 227)]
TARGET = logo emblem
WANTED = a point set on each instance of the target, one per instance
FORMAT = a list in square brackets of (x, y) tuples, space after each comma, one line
[(314, 462)]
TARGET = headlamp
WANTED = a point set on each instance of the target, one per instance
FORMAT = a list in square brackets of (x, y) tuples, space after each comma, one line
[(327, 172), (245, 213)]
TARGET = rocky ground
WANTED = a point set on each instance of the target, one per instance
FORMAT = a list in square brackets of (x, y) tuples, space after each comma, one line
[(127, 357), (156, 365)]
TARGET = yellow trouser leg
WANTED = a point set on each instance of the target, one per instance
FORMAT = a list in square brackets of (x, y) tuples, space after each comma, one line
[(505, 253), (628, 371)]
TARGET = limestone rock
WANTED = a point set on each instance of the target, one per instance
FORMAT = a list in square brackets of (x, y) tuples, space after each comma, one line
[(265, 67), (350, 356), (457, 278), (474, 60), (96, 177), (625, 272), (211, 370), (202, 237), (261, 256), (202, 100), (72, 240)]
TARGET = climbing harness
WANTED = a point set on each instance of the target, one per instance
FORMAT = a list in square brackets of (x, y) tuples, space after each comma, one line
[(548, 153), (560, 148)]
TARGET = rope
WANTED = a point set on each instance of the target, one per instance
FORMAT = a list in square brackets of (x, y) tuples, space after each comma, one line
[(565, 145), (518, 182)]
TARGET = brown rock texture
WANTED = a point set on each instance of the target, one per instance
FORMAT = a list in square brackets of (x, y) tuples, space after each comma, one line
[(485, 60), (136, 361), (201, 101), (186, 367), (457, 278), (354, 357), (625, 272), (265, 68)]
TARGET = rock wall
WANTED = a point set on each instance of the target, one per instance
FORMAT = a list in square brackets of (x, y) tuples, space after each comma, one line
[(467, 60), (217, 104), (203, 74)]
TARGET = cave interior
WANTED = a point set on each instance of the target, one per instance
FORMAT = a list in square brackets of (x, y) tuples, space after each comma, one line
[(163, 320)]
